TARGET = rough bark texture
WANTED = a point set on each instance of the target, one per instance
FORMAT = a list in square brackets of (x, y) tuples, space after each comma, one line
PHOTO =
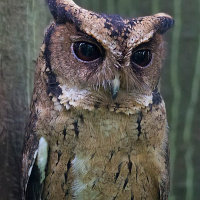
[(22, 24), (13, 94), (20, 30)]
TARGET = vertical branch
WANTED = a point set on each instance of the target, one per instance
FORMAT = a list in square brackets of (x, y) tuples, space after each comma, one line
[(123, 7), (84, 4), (187, 133), (155, 6), (175, 85), (110, 6), (95, 5), (131, 9), (18, 37), (13, 98)]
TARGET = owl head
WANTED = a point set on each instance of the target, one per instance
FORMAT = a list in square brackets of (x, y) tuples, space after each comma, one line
[(103, 61)]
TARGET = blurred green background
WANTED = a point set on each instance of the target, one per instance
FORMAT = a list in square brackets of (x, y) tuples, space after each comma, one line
[(22, 28)]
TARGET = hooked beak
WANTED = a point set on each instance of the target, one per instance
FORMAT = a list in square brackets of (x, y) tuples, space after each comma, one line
[(115, 85)]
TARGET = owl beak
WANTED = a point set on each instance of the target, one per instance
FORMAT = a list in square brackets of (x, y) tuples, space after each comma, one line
[(115, 85)]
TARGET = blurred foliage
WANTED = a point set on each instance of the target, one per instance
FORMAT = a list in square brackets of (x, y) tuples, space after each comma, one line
[(22, 28)]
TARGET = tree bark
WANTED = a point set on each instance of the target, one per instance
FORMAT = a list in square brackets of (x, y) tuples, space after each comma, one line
[(21, 34)]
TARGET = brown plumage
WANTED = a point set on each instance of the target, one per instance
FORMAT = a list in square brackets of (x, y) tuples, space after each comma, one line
[(98, 127)]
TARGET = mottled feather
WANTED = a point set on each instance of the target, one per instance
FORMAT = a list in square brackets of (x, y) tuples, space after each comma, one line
[(98, 127)]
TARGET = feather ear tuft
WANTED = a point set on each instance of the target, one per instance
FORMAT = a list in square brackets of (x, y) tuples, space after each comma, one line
[(63, 10), (164, 23)]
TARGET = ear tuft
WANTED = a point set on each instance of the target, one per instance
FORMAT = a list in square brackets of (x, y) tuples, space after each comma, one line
[(53, 8), (62, 10), (165, 22)]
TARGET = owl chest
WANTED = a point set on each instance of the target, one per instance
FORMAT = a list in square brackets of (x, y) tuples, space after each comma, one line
[(96, 155)]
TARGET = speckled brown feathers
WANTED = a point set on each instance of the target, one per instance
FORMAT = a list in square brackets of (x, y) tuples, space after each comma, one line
[(98, 127)]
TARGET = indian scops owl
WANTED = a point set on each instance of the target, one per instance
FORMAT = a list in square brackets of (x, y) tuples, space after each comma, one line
[(98, 128)]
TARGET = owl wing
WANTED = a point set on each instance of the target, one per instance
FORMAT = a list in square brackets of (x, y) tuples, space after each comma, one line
[(164, 186), (33, 188), (34, 163)]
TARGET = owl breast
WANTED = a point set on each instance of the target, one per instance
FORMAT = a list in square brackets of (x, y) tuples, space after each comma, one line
[(105, 155)]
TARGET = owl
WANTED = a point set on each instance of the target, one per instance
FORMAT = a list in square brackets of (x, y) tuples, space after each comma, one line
[(98, 127)]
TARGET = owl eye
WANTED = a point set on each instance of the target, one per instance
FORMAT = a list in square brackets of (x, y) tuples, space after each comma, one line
[(142, 58), (86, 51)]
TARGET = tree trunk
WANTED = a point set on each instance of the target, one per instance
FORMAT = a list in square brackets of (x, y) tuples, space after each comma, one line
[(21, 34), (22, 24)]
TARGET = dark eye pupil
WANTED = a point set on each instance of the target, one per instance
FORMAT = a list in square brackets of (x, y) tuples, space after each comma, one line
[(141, 58), (86, 51)]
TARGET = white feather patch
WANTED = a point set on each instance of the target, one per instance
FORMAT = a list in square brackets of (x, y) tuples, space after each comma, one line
[(80, 165), (80, 168), (144, 99), (42, 158), (31, 167), (30, 170), (72, 96), (57, 105)]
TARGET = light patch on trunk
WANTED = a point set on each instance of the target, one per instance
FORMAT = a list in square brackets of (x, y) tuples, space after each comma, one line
[(42, 158)]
